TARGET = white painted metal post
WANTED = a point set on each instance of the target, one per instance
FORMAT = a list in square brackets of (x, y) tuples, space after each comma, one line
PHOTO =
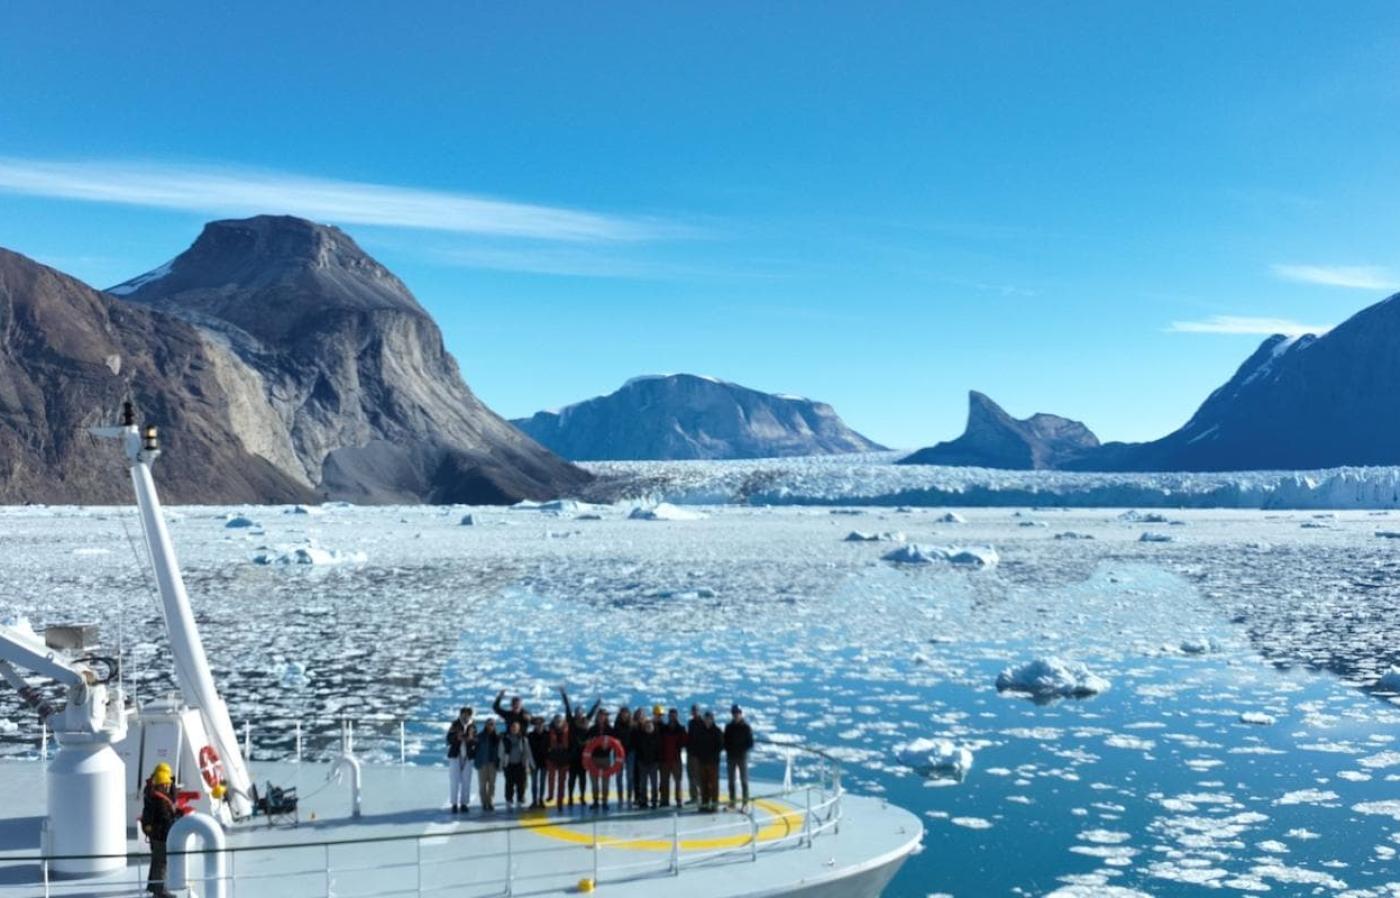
[(510, 867), (403, 746), (807, 819), (676, 844), (418, 866), (298, 741), (595, 852), (44, 866), (327, 849), (44, 741), (247, 739), (753, 837)]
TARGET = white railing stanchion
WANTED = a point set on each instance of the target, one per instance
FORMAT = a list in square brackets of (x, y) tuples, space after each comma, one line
[(44, 741), (44, 867), (327, 866), (247, 740), (836, 827), (418, 866), (676, 844), (807, 819), (595, 852), (403, 745), (510, 867), (753, 837), (298, 752)]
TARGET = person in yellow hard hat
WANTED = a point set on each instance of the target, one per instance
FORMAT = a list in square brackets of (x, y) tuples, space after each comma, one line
[(158, 813)]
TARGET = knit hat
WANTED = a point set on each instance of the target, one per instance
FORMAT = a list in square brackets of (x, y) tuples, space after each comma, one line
[(735, 709)]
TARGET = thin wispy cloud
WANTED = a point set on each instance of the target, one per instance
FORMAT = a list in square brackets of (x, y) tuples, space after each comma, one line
[(1360, 277), (221, 189), (1242, 324)]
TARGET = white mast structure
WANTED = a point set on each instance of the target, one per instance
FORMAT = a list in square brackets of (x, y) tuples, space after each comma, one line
[(234, 785)]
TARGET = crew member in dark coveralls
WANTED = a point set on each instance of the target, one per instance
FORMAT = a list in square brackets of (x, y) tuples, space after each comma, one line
[(158, 814)]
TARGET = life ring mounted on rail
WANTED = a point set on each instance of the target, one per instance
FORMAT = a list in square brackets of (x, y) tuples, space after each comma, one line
[(211, 767), (597, 750)]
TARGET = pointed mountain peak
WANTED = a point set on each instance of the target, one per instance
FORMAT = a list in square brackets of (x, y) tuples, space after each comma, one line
[(994, 439)]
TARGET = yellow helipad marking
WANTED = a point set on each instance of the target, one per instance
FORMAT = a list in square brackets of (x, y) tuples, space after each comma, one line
[(783, 819)]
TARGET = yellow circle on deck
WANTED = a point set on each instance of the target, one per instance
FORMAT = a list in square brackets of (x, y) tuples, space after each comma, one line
[(585, 885), (784, 819)]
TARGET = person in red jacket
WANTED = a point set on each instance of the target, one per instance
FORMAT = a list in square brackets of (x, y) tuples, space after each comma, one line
[(673, 739), (557, 762)]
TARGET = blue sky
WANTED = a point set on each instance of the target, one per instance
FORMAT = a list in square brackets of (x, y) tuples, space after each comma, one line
[(1084, 208)]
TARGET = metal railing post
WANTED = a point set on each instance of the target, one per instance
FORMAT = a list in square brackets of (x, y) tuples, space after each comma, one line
[(595, 851), (418, 866), (403, 745), (676, 843), (807, 819), (44, 866), (298, 741), (753, 837), (836, 827), (247, 740), (44, 741), (327, 851), (510, 867)]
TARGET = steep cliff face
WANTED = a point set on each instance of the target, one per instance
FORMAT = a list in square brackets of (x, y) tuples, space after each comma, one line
[(366, 404), (1298, 402), (69, 357), (685, 416), (994, 439)]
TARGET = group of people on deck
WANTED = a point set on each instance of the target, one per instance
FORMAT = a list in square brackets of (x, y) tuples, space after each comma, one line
[(579, 753)]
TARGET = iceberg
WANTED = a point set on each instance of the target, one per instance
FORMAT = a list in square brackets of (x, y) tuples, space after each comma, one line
[(665, 511), (970, 557), (239, 522), (1150, 537), (1051, 678), (936, 757), (1390, 680), (861, 536)]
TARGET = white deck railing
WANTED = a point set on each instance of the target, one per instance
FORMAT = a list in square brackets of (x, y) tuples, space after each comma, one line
[(481, 861)]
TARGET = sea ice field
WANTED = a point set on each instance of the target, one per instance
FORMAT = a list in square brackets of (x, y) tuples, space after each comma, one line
[(1194, 699)]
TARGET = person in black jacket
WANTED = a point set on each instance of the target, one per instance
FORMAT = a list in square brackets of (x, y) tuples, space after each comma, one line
[(622, 731), (158, 814), (738, 741), (579, 722), (459, 764), (706, 746), (646, 745), (516, 713), (539, 761), (692, 767)]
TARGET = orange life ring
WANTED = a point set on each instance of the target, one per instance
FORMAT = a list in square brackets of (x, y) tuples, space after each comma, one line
[(210, 767), (602, 745)]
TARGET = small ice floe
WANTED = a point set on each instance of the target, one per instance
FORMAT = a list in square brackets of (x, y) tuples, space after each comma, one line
[(1198, 646), (1032, 524), (1073, 534), (1390, 680), (240, 522), (1139, 517), (303, 509), (1149, 536), (664, 511), (1258, 718), (1315, 525), (862, 536), (467, 521), (8, 728), (291, 674), (1388, 534), (978, 557), (1051, 678), (308, 555), (936, 758), (849, 512), (951, 517)]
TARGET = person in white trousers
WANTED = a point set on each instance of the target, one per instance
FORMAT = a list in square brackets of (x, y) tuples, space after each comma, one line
[(461, 744)]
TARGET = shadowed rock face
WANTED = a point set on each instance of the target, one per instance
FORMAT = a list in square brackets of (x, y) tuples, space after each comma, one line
[(994, 439), (360, 400), (1296, 403), (683, 416), (69, 357)]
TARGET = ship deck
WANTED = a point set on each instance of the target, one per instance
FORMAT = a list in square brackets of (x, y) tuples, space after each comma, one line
[(406, 842)]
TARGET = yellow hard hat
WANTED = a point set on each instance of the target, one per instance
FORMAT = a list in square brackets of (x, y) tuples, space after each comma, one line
[(657, 710), (163, 767), (162, 775)]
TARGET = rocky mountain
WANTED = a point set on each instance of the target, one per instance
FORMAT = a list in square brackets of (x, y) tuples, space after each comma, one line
[(1310, 401), (69, 357), (342, 381), (685, 416), (994, 439)]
